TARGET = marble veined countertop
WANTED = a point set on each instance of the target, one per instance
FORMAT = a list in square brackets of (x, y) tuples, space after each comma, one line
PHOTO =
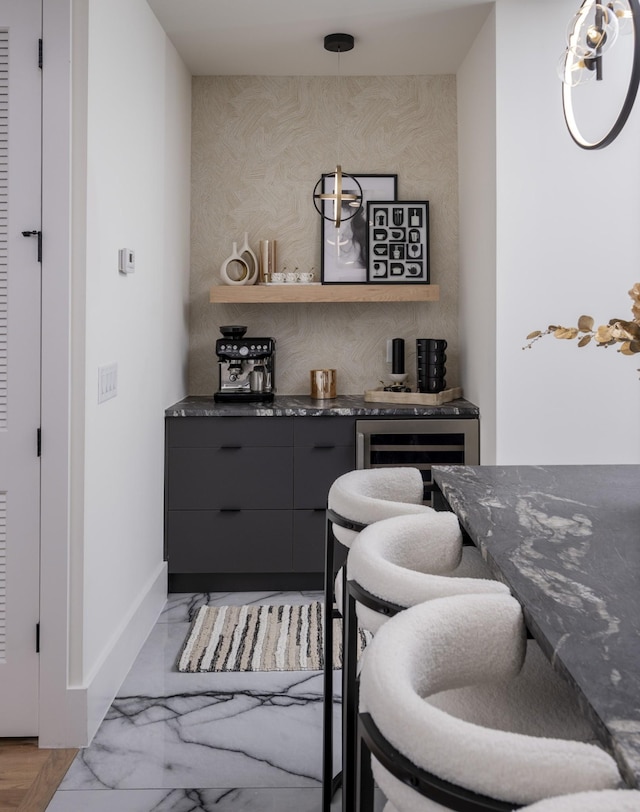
[(304, 406), (566, 540)]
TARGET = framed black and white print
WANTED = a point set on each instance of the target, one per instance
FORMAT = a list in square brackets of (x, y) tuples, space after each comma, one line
[(398, 237), (344, 250)]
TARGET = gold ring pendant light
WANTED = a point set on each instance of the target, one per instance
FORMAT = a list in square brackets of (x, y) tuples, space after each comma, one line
[(337, 43), (603, 54)]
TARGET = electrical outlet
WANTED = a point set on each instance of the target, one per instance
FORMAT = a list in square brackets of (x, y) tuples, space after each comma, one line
[(107, 382)]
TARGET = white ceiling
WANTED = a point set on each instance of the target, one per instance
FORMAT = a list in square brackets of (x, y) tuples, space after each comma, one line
[(285, 37)]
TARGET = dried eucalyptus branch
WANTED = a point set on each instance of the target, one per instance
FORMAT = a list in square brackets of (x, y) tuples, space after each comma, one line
[(616, 331)]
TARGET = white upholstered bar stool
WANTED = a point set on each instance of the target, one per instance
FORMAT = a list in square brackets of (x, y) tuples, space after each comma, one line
[(606, 800), (460, 712), (400, 562), (392, 565), (355, 500)]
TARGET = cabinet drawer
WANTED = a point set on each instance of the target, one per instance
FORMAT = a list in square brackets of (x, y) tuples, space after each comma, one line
[(308, 540), (253, 478), (195, 432), (315, 470), (312, 431), (229, 541)]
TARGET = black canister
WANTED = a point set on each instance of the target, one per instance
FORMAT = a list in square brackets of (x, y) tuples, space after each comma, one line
[(397, 356)]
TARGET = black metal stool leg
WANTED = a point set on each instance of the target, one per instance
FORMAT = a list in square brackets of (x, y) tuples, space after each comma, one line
[(327, 709), (364, 775), (349, 696), (335, 556)]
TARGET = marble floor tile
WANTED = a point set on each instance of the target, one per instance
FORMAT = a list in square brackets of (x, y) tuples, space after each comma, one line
[(196, 800), (240, 736), (167, 732)]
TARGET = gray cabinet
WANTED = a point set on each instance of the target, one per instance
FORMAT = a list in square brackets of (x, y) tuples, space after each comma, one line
[(324, 449), (245, 499), (229, 541), (245, 496), (227, 478)]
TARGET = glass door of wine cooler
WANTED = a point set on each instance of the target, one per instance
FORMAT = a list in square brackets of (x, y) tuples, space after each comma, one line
[(419, 444)]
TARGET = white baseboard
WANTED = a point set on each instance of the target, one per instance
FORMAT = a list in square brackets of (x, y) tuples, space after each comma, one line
[(88, 704)]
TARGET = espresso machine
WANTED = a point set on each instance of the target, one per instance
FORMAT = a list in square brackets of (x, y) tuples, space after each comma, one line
[(245, 366)]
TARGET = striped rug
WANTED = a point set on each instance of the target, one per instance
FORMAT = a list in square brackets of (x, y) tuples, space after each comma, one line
[(260, 638)]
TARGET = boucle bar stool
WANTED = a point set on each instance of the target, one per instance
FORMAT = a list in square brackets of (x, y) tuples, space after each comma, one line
[(460, 712), (355, 500), (392, 565), (400, 562), (606, 800)]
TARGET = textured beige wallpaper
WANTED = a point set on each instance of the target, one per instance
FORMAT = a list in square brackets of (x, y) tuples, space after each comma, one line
[(259, 146)]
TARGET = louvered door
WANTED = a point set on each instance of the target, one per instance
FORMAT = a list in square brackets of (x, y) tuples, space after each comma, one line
[(20, 193)]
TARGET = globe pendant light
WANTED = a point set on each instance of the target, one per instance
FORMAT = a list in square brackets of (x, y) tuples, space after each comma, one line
[(337, 43)]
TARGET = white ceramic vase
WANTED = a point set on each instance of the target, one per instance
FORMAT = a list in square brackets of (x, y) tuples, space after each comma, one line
[(234, 270)]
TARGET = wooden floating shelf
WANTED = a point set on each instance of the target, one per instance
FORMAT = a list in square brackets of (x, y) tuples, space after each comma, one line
[(273, 294)]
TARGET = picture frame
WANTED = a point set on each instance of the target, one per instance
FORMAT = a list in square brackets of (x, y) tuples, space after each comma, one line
[(345, 261), (398, 240)]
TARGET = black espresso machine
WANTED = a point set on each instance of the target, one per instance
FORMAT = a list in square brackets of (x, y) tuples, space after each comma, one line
[(245, 366)]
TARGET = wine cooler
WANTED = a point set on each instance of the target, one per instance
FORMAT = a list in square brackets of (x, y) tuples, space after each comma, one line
[(419, 444)]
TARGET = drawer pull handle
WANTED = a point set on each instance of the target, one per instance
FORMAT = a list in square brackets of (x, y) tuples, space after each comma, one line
[(230, 510), (230, 447), (324, 447)]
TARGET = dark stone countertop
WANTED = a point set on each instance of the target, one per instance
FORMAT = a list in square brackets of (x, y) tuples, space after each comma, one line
[(566, 540), (304, 406)]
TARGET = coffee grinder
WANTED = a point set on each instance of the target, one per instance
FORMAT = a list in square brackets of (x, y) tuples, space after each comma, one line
[(245, 366), (398, 375)]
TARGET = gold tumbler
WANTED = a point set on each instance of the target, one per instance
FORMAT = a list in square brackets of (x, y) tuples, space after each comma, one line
[(323, 383)]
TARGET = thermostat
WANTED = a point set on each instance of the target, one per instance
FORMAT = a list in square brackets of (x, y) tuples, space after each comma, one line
[(126, 260)]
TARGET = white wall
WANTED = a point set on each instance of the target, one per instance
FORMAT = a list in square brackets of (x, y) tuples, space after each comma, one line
[(566, 245), (476, 83), (174, 325), (136, 181)]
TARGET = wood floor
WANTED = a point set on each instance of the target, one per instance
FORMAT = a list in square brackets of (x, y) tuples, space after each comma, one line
[(29, 776)]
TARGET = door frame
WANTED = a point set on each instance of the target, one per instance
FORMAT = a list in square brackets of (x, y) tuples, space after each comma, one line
[(60, 721)]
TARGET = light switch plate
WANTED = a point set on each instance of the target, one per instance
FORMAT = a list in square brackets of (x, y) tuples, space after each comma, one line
[(107, 382)]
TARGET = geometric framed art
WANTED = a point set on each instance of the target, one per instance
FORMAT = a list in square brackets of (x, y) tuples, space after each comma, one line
[(398, 239)]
